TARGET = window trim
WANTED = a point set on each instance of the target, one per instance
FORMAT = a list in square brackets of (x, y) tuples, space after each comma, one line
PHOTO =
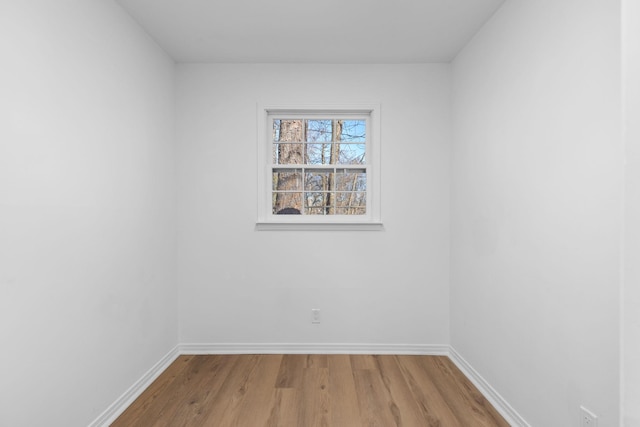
[(268, 221)]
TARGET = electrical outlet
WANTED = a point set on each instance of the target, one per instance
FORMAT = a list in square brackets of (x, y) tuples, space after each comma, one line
[(587, 418), (315, 315)]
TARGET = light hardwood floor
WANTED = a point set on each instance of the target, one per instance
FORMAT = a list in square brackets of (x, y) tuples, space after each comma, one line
[(311, 390)]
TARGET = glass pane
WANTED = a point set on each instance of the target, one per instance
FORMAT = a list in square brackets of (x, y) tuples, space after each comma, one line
[(317, 180), (351, 180), (354, 131), (288, 154), (319, 130), (351, 203), (276, 130), (318, 203), (316, 199), (288, 130), (286, 203), (352, 154), (290, 180), (356, 210), (316, 211), (318, 154)]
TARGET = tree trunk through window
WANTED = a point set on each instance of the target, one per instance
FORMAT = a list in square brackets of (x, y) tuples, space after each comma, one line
[(290, 131), (336, 132)]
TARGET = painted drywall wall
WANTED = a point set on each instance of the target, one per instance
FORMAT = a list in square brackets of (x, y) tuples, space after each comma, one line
[(239, 285), (536, 208), (631, 289), (87, 277)]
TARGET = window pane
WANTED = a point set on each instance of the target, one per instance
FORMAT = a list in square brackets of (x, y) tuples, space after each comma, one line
[(319, 130), (288, 130), (288, 154), (276, 130), (353, 131), (317, 180), (351, 203), (352, 154), (318, 203), (318, 154), (348, 180), (290, 180), (316, 211), (286, 203), (355, 210)]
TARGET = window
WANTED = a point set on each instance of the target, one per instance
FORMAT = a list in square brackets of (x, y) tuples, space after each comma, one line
[(319, 167)]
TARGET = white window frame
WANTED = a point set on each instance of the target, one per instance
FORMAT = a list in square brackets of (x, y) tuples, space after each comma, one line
[(269, 221)]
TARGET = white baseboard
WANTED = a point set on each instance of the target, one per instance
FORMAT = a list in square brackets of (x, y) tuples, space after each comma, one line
[(498, 402), (123, 402), (312, 348)]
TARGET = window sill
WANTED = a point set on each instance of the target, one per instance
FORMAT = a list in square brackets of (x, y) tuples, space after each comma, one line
[(324, 226)]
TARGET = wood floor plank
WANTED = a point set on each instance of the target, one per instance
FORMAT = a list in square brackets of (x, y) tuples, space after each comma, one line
[(314, 410), (362, 361), (223, 410), (317, 361), (374, 405), (155, 391), (470, 405), (284, 408), (434, 408), (342, 392), (198, 400), (291, 368), (405, 408), (255, 407), (311, 391), (165, 405)]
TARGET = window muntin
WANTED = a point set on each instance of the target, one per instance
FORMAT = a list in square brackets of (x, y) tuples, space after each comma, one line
[(319, 165)]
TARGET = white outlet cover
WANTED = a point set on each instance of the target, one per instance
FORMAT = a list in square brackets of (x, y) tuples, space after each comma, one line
[(587, 418), (315, 315)]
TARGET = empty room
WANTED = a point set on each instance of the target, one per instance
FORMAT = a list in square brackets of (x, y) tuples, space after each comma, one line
[(340, 213)]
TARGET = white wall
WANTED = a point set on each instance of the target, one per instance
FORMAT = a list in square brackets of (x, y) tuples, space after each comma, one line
[(88, 300), (536, 207), (239, 285), (87, 277), (631, 296)]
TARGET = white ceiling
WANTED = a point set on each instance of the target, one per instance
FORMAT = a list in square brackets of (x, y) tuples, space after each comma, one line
[(320, 31)]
